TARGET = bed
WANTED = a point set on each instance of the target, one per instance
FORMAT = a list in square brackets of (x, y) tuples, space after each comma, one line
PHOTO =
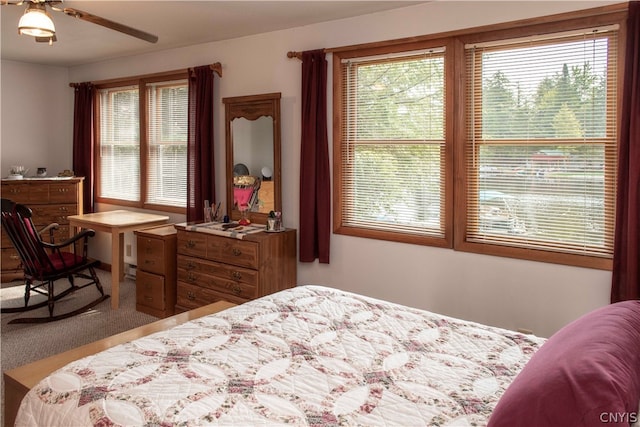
[(311, 355)]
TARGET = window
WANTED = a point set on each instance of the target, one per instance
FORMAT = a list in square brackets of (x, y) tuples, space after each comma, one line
[(501, 142), (142, 158), (119, 153), (541, 142), (167, 136), (392, 145)]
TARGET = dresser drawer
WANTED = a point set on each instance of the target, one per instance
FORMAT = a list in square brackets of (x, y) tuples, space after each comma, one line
[(194, 244), (190, 296), (62, 193), (46, 214), (151, 255), (225, 271), (18, 193), (10, 259), (232, 251), (150, 290), (220, 284)]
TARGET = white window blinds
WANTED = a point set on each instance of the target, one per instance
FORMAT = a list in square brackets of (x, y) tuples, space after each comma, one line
[(167, 105), (541, 142), (393, 143), (119, 143)]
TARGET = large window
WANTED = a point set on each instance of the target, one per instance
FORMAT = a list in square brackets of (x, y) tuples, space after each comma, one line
[(392, 145), (523, 164), (541, 142), (142, 138)]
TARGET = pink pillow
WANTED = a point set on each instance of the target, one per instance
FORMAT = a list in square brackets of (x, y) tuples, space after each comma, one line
[(586, 374)]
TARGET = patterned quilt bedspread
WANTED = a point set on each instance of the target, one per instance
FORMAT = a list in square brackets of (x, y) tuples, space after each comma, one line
[(310, 356)]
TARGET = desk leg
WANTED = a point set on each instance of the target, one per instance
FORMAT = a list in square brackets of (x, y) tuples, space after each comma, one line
[(117, 266)]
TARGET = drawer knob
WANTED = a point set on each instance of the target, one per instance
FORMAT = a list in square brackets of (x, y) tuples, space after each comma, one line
[(191, 296), (236, 252), (236, 289), (236, 275), (191, 244), (191, 265), (191, 277)]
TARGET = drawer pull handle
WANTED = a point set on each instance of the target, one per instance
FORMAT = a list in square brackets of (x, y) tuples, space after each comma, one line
[(191, 277), (236, 289), (236, 275), (148, 261), (191, 296), (191, 244), (236, 252), (148, 298), (191, 265)]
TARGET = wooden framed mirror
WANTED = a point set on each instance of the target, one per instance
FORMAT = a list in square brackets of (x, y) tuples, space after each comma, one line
[(252, 133)]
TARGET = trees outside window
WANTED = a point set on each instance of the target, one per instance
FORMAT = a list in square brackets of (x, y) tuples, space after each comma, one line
[(500, 142)]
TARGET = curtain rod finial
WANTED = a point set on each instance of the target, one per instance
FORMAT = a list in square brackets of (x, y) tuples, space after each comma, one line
[(293, 54)]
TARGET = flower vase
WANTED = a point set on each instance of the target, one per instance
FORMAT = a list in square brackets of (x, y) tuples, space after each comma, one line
[(244, 215)]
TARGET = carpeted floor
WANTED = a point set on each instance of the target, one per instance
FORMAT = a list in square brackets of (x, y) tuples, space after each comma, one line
[(25, 343)]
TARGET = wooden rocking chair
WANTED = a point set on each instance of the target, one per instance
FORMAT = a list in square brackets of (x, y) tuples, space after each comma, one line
[(44, 263)]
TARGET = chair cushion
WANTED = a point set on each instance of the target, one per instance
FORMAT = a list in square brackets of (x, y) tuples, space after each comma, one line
[(65, 260), (587, 374)]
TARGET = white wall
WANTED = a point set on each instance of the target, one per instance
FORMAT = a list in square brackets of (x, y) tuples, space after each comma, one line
[(499, 291), (36, 119)]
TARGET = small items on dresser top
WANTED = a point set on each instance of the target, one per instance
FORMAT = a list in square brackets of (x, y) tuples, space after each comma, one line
[(230, 229)]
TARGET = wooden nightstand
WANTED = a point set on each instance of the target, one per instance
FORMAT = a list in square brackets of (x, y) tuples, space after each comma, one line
[(156, 272)]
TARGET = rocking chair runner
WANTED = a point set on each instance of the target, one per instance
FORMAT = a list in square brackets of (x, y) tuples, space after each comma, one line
[(45, 263)]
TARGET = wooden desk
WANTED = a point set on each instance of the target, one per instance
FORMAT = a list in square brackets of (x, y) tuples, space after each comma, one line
[(18, 381), (117, 223)]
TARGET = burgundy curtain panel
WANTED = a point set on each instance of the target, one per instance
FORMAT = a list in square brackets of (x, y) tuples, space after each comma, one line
[(83, 164), (626, 254), (315, 183), (200, 167)]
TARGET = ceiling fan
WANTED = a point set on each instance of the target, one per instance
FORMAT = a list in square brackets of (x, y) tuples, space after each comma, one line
[(36, 21)]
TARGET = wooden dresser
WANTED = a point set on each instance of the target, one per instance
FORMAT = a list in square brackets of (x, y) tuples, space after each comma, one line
[(50, 200), (156, 272), (215, 267)]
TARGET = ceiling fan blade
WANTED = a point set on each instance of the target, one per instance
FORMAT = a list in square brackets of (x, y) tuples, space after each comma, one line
[(110, 24)]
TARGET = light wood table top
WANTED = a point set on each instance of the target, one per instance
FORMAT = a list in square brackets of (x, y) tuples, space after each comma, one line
[(117, 223)]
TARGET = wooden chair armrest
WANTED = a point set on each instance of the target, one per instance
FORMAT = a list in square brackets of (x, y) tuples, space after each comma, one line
[(49, 228), (84, 234)]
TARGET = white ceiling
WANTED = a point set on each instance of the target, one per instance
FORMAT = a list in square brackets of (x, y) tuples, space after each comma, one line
[(177, 23)]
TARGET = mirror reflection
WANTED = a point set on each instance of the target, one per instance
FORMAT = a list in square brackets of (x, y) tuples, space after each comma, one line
[(253, 156)]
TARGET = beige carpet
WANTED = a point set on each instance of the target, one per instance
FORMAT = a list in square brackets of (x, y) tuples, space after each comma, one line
[(25, 343)]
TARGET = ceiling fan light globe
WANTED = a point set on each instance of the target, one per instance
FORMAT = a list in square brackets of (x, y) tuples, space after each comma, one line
[(36, 22)]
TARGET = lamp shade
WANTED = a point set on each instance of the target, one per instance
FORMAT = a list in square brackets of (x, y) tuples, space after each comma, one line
[(36, 22)]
